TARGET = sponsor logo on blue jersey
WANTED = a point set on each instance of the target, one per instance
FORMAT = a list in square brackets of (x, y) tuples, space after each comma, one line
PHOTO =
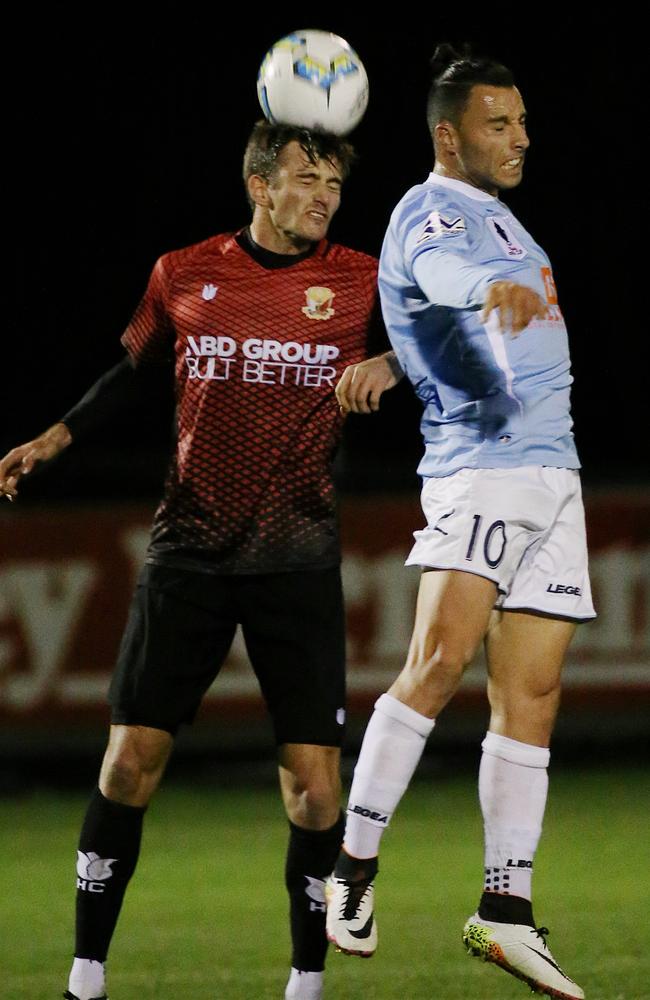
[(438, 225)]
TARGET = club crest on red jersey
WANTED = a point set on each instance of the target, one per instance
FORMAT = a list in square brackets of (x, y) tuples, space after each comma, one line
[(319, 302), (209, 292)]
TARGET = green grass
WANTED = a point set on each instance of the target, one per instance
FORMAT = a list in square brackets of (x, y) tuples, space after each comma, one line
[(205, 916)]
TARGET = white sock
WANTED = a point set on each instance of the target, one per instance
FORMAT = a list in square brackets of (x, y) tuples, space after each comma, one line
[(87, 979), (304, 985), (391, 749), (512, 784)]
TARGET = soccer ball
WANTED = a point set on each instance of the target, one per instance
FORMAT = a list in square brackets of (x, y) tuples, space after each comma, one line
[(314, 80)]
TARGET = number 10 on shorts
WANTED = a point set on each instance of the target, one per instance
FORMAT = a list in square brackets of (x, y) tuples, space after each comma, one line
[(494, 541)]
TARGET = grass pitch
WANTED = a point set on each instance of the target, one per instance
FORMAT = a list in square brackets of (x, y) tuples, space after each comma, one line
[(205, 916)]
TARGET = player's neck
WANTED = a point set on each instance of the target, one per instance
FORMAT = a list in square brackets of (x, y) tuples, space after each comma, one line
[(268, 237), (267, 258), (445, 170)]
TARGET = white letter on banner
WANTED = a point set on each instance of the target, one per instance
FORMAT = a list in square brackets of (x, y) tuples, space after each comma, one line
[(48, 600)]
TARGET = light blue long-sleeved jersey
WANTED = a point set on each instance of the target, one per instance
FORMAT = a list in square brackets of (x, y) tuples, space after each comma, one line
[(491, 400)]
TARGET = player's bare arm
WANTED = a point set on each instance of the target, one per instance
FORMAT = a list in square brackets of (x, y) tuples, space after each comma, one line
[(361, 386), (517, 305), (22, 460)]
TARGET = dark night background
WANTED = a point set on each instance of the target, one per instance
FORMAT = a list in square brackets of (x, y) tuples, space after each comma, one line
[(126, 135)]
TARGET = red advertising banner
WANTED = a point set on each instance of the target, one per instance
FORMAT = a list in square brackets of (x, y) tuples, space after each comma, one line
[(66, 577)]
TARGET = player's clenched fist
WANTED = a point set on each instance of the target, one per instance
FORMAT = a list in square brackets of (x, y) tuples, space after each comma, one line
[(360, 386), (21, 460), (517, 305)]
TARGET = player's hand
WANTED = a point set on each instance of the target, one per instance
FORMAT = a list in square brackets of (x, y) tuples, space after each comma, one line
[(517, 305), (361, 386), (22, 460)]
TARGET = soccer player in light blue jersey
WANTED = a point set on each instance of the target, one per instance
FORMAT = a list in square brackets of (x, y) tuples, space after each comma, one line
[(472, 312)]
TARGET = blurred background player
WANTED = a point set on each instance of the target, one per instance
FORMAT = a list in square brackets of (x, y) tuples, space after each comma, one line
[(258, 326), (472, 312)]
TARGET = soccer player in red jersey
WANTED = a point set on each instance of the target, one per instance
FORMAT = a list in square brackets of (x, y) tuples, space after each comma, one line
[(259, 326)]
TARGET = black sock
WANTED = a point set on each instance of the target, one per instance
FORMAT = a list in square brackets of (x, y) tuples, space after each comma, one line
[(310, 858), (502, 909), (109, 845), (355, 869)]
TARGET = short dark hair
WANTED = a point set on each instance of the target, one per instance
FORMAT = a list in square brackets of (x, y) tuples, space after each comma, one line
[(454, 75), (267, 141)]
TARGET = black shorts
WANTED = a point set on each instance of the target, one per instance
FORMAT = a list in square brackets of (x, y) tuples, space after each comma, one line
[(180, 628)]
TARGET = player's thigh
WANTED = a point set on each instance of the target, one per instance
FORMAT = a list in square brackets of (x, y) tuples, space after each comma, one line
[(180, 628), (452, 614), (294, 629), (526, 653)]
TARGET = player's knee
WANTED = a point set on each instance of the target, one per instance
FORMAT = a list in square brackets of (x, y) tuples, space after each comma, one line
[(130, 773), (315, 802), (532, 693), (119, 782), (526, 707), (439, 664), (544, 702)]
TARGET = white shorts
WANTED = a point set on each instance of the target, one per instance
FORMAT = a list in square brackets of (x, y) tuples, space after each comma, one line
[(523, 528)]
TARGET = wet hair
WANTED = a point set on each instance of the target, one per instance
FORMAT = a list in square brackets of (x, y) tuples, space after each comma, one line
[(454, 74), (267, 141)]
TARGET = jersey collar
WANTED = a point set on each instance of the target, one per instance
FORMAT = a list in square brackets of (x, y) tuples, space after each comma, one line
[(321, 248), (467, 189)]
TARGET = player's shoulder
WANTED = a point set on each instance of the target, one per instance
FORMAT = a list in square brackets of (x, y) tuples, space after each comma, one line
[(346, 257), (430, 211), (196, 252), (428, 197)]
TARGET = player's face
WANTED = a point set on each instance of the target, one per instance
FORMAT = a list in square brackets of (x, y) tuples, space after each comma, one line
[(304, 196), (491, 140)]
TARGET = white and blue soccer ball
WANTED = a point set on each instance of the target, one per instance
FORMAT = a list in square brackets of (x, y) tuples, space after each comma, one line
[(315, 80)]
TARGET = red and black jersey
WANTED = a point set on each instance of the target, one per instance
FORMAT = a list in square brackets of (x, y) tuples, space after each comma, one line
[(257, 354)]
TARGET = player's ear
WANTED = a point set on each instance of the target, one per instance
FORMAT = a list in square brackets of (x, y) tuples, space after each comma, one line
[(445, 137), (258, 189)]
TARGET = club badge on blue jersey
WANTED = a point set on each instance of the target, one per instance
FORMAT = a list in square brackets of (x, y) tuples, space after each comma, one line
[(503, 234), (438, 225)]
